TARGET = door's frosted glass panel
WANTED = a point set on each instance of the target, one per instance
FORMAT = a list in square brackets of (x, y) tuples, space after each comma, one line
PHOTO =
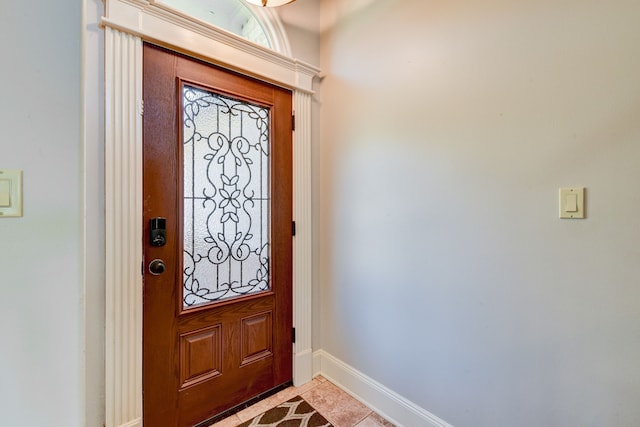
[(226, 197)]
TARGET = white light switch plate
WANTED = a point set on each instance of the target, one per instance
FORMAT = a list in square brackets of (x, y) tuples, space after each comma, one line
[(572, 202), (10, 193)]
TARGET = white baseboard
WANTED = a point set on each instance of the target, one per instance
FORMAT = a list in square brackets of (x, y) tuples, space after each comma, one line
[(387, 403)]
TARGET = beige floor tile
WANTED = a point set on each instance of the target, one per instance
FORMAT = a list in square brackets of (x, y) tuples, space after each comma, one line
[(308, 386), (381, 420), (368, 422), (374, 420), (337, 406), (231, 421)]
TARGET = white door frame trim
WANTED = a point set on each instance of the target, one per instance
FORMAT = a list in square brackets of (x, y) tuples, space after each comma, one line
[(127, 24)]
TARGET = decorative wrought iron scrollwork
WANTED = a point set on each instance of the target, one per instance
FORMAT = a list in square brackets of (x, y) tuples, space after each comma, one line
[(226, 197)]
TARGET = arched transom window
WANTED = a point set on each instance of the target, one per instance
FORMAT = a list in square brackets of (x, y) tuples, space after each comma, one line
[(238, 17)]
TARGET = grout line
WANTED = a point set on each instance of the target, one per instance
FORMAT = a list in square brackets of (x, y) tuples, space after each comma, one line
[(363, 418)]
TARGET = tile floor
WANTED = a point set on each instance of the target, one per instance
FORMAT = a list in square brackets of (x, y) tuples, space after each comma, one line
[(338, 407)]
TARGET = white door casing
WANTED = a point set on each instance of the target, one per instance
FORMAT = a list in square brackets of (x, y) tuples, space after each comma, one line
[(127, 24)]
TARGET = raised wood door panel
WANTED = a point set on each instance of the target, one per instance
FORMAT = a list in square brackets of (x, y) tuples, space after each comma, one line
[(200, 360)]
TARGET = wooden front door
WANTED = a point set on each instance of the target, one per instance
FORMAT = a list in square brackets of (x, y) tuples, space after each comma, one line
[(217, 325)]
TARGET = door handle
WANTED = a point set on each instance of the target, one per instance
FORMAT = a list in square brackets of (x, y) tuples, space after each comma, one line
[(157, 267)]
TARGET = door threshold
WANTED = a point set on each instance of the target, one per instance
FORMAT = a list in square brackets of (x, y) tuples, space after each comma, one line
[(243, 405)]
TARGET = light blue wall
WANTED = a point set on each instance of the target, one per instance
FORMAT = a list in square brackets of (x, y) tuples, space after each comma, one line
[(40, 266), (447, 129)]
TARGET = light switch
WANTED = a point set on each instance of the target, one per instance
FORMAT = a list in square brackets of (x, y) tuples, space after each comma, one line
[(5, 193), (10, 193), (572, 202)]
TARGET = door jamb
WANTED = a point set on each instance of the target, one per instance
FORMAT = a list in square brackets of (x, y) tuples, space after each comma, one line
[(127, 23)]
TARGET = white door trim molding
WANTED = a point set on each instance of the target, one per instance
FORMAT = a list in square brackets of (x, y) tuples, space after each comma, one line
[(127, 23), (123, 228)]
